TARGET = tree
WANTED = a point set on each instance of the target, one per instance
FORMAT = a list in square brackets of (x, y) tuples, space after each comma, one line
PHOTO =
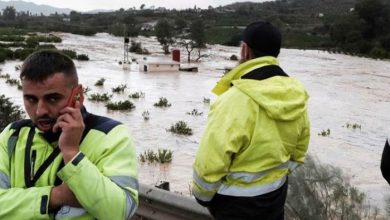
[(180, 24), (375, 14), (132, 29), (142, 7), (198, 36), (319, 192), (164, 34), (189, 46), (9, 13)]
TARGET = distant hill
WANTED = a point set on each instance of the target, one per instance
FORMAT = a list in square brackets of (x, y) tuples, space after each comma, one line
[(34, 8)]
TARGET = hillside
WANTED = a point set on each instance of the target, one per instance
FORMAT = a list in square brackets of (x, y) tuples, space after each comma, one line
[(34, 9)]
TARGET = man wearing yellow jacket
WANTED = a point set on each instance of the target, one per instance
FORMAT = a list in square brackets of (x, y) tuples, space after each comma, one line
[(64, 163), (257, 133)]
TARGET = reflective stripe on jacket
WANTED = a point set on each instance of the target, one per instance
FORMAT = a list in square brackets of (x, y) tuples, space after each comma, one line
[(103, 176), (257, 132)]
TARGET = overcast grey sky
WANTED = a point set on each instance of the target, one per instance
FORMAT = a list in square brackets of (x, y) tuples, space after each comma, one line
[(87, 5)]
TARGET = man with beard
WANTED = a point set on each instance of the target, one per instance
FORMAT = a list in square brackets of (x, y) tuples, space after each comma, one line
[(64, 162), (257, 133)]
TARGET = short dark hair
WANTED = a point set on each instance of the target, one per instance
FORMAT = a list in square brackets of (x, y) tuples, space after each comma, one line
[(42, 64), (263, 38)]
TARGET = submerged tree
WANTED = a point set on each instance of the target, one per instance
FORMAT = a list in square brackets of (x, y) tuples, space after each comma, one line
[(321, 192)]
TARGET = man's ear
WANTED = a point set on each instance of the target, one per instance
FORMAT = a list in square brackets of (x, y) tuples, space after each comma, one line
[(246, 52)]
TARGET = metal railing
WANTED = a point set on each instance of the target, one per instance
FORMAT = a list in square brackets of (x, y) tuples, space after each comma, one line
[(155, 203)]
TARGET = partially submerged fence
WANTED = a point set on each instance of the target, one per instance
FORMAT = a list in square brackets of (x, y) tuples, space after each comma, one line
[(155, 203)]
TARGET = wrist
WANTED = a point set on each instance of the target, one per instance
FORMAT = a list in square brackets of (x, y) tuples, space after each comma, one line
[(69, 155), (55, 200)]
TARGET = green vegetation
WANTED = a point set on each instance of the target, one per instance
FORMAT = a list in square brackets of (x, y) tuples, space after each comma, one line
[(96, 97), (8, 112), (137, 95), (180, 127), (100, 82), (146, 115), (161, 156), (195, 112), (82, 57), (206, 100), (136, 47), (353, 126), (324, 133), (14, 82), (359, 27), (121, 105), (5, 76), (321, 192), (119, 89), (162, 103)]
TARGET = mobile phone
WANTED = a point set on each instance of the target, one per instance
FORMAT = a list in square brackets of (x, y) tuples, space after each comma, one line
[(76, 95)]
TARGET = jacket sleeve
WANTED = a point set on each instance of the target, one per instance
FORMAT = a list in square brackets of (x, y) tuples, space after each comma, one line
[(19, 203), (108, 188), (299, 155), (385, 162), (228, 130)]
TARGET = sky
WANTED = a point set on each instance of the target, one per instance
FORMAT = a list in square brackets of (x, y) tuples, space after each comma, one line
[(88, 5)]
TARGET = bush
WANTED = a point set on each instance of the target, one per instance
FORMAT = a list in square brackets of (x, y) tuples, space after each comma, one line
[(180, 128), (163, 102), (70, 53), (136, 47), (8, 112), (100, 82), (162, 156), (137, 95), (320, 192), (83, 57), (121, 106), (119, 89), (96, 97), (23, 53)]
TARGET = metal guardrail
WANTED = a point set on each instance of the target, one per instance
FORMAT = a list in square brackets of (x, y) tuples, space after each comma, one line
[(155, 203)]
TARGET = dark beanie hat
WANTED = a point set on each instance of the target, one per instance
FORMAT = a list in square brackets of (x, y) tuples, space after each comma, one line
[(263, 38)]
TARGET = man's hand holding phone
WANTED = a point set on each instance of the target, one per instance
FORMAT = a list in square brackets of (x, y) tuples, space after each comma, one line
[(71, 124)]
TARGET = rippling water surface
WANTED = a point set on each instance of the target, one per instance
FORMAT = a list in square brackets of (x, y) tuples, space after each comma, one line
[(343, 89)]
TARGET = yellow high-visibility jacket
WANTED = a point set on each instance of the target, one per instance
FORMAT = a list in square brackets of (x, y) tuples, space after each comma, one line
[(103, 176), (257, 132)]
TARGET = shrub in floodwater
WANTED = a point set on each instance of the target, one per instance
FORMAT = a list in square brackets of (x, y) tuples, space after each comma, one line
[(13, 82), (324, 133), (70, 53), (96, 97), (206, 100), (121, 105), (319, 191), (162, 156), (5, 76), (119, 89), (353, 126), (100, 82), (163, 102), (146, 115), (180, 128), (137, 95), (195, 113), (82, 57)]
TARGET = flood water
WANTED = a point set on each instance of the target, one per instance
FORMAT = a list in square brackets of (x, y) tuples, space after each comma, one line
[(343, 89)]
